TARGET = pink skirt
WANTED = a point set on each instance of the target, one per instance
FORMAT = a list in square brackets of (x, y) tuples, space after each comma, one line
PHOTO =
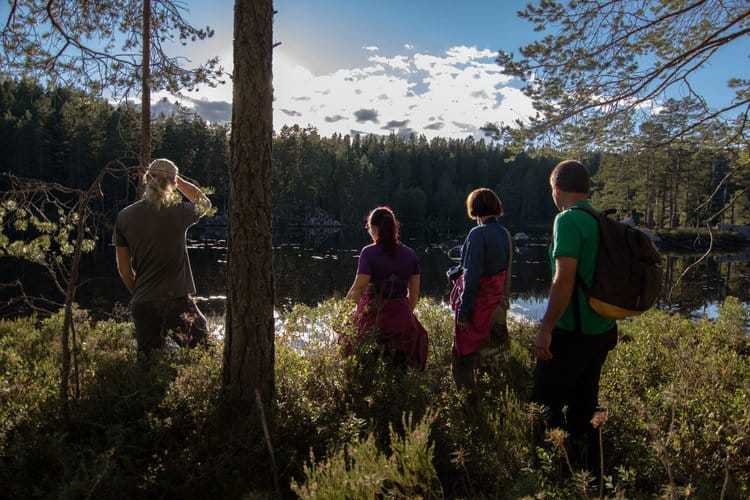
[(490, 295), (397, 327)]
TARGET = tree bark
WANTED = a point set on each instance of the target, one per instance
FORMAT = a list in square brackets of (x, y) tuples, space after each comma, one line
[(249, 336), (70, 293), (145, 94)]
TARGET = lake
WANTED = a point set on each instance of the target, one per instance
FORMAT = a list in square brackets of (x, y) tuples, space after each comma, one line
[(312, 266)]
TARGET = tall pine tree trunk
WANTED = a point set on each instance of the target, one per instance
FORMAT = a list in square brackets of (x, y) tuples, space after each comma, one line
[(249, 341), (145, 94)]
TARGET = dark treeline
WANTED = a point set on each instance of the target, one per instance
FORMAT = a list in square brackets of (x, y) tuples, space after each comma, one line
[(65, 136), (62, 135), (425, 181)]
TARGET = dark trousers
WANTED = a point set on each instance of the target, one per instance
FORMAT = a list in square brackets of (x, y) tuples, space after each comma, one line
[(494, 352), (571, 378), (178, 318)]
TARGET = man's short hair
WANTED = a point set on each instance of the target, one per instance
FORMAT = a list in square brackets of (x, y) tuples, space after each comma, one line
[(483, 202), (571, 176)]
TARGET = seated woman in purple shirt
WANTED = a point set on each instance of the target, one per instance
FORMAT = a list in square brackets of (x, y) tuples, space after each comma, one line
[(386, 290)]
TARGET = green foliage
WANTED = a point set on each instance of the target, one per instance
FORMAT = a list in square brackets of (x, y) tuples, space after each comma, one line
[(421, 180), (324, 397), (363, 471), (42, 239), (99, 45), (136, 426), (28, 369), (681, 419), (64, 136), (352, 405), (670, 183), (599, 65), (309, 382), (348, 426), (604, 70)]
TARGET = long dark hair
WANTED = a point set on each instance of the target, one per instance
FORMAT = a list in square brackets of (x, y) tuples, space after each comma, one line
[(387, 224)]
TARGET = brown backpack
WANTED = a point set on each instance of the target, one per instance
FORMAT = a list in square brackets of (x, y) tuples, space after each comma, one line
[(628, 273)]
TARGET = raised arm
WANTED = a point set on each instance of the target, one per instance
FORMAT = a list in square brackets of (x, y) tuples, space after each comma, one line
[(194, 194)]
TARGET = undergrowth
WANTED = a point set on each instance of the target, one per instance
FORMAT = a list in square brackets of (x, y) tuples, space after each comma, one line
[(676, 393)]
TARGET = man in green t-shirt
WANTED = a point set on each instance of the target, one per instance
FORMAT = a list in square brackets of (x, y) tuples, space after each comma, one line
[(572, 342)]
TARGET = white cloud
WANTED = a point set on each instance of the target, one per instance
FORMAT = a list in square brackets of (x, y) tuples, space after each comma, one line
[(398, 62), (465, 55), (449, 95), (372, 48)]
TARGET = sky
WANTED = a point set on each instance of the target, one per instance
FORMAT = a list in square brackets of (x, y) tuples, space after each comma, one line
[(382, 66)]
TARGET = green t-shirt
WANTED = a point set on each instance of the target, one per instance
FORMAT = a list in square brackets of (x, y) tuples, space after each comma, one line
[(576, 234)]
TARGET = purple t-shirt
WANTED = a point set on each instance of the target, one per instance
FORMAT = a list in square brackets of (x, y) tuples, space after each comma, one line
[(389, 276)]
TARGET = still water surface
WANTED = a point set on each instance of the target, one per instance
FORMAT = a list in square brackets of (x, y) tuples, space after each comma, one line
[(310, 268)]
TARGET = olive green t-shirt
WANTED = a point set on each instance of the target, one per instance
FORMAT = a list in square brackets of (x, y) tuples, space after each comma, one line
[(576, 234), (157, 239)]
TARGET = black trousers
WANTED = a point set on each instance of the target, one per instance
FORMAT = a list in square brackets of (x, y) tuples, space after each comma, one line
[(179, 318), (571, 378), (492, 355)]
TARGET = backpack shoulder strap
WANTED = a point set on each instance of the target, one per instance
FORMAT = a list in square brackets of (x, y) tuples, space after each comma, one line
[(579, 281), (588, 210), (593, 213), (510, 262)]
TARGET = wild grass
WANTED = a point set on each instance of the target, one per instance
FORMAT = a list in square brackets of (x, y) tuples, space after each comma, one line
[(676, 393)]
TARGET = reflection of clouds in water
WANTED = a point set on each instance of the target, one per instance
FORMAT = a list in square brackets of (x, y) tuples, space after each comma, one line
[(319, 333), (217, 326), (528, 310), (315, 334), (532, 310), (710, 310), (521, 310)]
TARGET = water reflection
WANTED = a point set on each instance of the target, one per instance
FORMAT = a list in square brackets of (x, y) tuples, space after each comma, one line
[(316, 270), (323, 265), (693, 284)]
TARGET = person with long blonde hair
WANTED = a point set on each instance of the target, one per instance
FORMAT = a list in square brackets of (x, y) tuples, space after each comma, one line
[(150, 238)]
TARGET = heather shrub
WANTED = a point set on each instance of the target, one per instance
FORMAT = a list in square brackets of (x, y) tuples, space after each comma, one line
[(362, 470), (343, 405), (354, 425), (678, 394)]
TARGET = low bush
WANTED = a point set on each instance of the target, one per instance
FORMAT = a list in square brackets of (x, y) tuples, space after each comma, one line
[(679, 395), (676, 392)]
